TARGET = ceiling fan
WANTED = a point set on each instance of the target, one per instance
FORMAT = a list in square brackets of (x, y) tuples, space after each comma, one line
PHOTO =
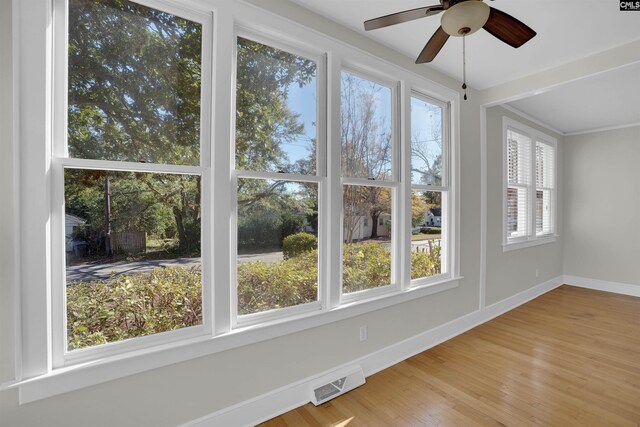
[(460, 18)]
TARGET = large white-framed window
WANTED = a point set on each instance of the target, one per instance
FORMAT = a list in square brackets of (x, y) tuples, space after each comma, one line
[(430, 186), (201, 157), (131, 165), (278, 179), (369, 165), (529, 182)]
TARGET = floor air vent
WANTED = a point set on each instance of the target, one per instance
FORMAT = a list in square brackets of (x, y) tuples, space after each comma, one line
[(336, 383)]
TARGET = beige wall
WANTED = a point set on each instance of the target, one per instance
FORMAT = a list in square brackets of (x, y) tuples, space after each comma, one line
[(515, 271), (602, 176), (175, 394), (7, 235)]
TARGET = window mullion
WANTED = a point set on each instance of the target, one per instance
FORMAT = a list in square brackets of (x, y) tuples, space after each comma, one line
[(333, 191), (404, 138), (58, 294), (221, 157), (532, 190)]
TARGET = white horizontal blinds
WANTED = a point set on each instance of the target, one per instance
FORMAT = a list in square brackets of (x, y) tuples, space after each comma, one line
[(545, 186), (518, 183)]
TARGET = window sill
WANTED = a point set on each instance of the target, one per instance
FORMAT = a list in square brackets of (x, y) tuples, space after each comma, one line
[(63, 380), (529, 243)]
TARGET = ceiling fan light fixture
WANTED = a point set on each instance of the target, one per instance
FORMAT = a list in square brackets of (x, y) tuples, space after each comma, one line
[(465, 18)]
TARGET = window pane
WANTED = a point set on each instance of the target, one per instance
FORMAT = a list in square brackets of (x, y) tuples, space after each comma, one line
[(277, 244), (545, 165), (544, 224), (427, 222), (366, 252), (275, 110), (518, 158), (132, 254), (517, 212), (426, 142), (365, 121), (134, 84)]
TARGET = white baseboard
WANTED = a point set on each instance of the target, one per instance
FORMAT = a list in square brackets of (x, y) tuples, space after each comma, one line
[(281, 400), (603, 285)]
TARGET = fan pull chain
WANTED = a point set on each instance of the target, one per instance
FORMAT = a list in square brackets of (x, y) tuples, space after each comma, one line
[(464, 66)]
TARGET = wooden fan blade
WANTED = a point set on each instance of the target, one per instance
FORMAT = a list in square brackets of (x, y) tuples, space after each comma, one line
[(400, 17), (433, 46), (508, 29)]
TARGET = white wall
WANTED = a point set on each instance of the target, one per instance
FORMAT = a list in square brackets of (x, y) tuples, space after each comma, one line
[(7, 234), (511, 272), (602, 206), (176, 394)]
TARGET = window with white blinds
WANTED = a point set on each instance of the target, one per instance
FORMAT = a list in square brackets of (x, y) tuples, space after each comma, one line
[(545, 187), (529, 184), (518, 183)]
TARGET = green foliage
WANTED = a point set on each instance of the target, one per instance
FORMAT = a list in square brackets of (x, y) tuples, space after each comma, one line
[(365, 265), (269, 211), (263, 119), (297, 244), (263, 286), (165, 299), (134, 83), (430, 230), (424, 264), (99, 312), (262, 231), (162, 205)]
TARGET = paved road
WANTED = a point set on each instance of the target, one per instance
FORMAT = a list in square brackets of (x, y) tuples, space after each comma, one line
[(88, 272)]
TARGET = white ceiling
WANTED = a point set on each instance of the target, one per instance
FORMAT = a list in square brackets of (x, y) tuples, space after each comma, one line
[(568, 30), (605, 100)]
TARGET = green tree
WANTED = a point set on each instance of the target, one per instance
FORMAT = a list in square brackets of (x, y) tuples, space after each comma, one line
[(134, 95), (134, 83), (366, 152), (263, 120), (268, 211)]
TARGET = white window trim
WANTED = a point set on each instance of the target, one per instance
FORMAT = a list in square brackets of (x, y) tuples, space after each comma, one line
[(61, 356), (449, 217), (319, 57), (38, 377), (531, 239)]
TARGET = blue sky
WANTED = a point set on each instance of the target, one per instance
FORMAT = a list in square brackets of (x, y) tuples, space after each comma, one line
[(303, 101)]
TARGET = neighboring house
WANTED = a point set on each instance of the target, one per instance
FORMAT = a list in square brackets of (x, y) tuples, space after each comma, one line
[(433, 218), (70, 223), (362, 230)]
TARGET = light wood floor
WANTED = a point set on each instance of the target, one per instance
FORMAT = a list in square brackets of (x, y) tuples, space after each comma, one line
[(568, 358)]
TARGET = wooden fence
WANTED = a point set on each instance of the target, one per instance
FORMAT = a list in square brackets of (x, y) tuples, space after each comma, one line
[(132, 242)]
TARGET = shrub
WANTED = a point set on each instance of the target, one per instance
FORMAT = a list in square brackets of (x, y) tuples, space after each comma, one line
[(297, 244), (124, 307), (365, 266), (263, 286), (430, 230), (424, 264), (165, 299)]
